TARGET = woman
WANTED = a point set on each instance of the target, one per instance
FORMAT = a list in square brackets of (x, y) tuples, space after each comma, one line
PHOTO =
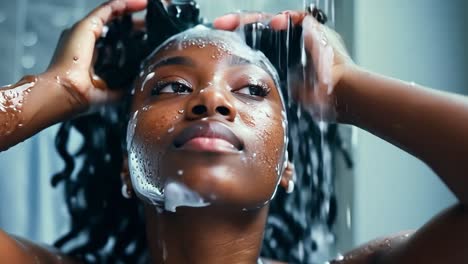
[(235, 102)]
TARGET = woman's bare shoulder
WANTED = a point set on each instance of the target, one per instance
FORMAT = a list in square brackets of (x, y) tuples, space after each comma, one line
[(18, 250), (370, 252)]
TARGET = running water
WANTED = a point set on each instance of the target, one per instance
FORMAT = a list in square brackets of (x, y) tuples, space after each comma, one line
[(313, 141)]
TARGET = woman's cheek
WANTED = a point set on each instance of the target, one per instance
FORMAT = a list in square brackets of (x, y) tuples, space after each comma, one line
[(157, 126), (270, 136)]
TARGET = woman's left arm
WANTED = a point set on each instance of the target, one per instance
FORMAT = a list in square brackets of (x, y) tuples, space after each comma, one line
[(431, 125)]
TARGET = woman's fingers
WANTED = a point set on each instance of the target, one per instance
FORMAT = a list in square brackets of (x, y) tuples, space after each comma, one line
[(233, 21), (82, 38), (136, 5), (73, 59), (322, 49), (281, 21), (88, 30), (227, 22), (278, 22)]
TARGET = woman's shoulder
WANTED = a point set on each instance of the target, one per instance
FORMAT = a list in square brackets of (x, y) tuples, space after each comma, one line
[(371, 252), (18, 250)]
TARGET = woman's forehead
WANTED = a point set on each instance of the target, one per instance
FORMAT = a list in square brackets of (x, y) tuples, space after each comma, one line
[(223, 45)]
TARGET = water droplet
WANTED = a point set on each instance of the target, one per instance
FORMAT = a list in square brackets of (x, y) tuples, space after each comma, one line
[(29, 39), (170, 130), (181, 111), (95, 22), (28, 61), (180, 172), (75, 58)]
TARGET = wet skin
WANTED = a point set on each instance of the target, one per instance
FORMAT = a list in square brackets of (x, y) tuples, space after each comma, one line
[(237, 158), (375, 104)]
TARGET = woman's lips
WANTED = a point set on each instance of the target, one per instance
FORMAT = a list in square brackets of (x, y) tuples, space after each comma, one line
[(208, 136), (209, 144)]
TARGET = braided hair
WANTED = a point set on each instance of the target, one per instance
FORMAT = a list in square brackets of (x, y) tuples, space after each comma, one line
[(106, 228)]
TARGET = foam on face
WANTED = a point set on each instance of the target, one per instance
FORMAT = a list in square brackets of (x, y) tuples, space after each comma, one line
[(170, 195)]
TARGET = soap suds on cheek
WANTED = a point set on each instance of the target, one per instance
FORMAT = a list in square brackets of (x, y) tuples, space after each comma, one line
[(144, 160), (177, 194)]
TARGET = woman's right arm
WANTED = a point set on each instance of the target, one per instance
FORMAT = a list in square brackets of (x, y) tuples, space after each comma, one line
[(31, 105), (68, 87)]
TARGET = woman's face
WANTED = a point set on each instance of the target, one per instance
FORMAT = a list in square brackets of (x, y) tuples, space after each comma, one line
[(208, 119)]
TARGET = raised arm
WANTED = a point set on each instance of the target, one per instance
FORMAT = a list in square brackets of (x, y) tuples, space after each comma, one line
[(429, 124), (69, 86)]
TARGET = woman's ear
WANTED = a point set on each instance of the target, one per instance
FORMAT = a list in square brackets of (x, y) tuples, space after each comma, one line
[(127, 188), (287, 179)]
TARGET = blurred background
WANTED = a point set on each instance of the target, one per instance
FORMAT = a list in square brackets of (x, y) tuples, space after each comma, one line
[(423, 41)]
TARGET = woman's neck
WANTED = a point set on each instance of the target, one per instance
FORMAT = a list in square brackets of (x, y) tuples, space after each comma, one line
[(205, 235)]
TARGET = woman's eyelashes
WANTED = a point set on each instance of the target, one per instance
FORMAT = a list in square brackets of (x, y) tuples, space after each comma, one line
[(182, 88), (256, 90), (173, 87)]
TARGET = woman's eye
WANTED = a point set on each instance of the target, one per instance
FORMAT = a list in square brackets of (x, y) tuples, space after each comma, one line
[(254, 90), (171, 88)]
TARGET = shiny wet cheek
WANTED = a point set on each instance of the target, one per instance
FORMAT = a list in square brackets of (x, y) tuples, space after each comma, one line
[(147, 146), (157, 123), (267, 135)]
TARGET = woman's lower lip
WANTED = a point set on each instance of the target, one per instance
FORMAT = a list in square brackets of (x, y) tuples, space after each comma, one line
[(204, 144)]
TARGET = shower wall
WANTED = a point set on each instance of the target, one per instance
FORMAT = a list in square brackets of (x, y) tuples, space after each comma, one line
[(422, 41)]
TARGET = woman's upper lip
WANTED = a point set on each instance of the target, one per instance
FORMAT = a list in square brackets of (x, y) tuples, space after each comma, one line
[(208, 129)]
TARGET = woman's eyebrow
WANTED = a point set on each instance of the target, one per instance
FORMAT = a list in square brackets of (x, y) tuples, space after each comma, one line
[(179, 60), (235, 60)]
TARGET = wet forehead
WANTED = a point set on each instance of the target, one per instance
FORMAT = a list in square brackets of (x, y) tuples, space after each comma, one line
[(195, 58), (225, 46)]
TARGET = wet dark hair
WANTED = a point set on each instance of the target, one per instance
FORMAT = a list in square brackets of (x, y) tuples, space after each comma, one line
[(106, 228)]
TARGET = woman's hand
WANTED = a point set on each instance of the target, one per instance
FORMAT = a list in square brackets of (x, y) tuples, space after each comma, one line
[(72, 64), (327, 59), (68, 87)]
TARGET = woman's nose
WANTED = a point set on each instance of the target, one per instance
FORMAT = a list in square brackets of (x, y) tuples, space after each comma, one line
[(211, 102)]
